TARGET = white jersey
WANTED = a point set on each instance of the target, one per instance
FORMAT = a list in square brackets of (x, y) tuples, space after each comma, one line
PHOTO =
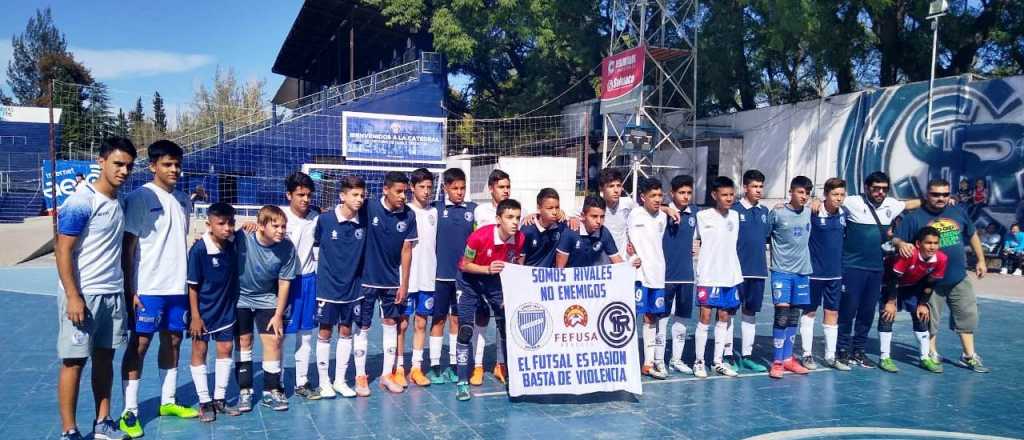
[(485, 214), (423, 272), (858, 211), (645, 233), (617, 221), (718, 265), (300, 232), (98, 223), (160, 220)]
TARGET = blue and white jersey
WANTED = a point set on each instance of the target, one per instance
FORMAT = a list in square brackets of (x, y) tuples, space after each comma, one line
[(862, 248), (678, 245), (342, 243), (541, 244), (386, 234), (214, 272), (454, 224), (753, 236), (826, 244), (586, 249), (98, 222)]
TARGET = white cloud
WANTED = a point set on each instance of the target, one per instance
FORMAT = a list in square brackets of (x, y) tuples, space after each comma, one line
[(110, 64)]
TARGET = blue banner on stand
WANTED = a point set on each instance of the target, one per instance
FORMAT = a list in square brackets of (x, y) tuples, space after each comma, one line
[(392, 138), (66, 171)]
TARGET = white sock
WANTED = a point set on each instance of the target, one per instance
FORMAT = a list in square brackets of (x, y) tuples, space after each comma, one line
[(659, 340), (453, 339), (479, 343), (323, 360), (221, 377), (678, 340), (884, 344), (341, 354), (170, 384), (499, 354), (923, 345), (390, 345), (721, 333), (748, 331), (831, 336), (417, 359), (700, 341), (650, 331), (360, 343), (400, 360), (272, 367), (303, 340), (131, 395), (199, 379), (435, 343), (729, 330), (807, 334)]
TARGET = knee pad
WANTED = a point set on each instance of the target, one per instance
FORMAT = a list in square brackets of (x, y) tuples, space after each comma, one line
[(465, 334), (885, 326), (781, 317), (919, 325), (794, 316)]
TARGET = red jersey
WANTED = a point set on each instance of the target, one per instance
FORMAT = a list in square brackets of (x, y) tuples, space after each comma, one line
[(485, 245), (914, 269)]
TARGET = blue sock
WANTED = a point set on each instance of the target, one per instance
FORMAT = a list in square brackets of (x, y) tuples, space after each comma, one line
[(778, 343), (787, 347), (462, 356)]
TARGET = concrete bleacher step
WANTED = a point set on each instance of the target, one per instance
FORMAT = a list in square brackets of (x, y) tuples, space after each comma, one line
[(16, 206)]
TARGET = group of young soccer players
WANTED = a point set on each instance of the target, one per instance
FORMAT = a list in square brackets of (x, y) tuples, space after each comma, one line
[(434, 263)]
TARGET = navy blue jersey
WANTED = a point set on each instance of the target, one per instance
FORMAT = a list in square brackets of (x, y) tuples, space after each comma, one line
[(386, 234), (540, 247), (342, 243), (955, 230), (586, 249), (754, 233), (214, 272), (677, 242), (826, 244), (454, 225)]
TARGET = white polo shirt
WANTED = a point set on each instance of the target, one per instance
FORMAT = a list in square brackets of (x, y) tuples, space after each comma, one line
[(718, 265), (485, 214), (645, 232), (300, 231), (160, 220), (423, 271)]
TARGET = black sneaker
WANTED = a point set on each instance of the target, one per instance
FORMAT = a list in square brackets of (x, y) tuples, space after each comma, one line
[(207, 412), (307, 392), (843, 357), (861, 359), (222, 407)]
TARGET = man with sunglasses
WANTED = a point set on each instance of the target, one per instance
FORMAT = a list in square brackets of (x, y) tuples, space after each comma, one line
[(955, 289)]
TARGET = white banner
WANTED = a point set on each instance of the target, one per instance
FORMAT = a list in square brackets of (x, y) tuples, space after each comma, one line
[(571, 331)]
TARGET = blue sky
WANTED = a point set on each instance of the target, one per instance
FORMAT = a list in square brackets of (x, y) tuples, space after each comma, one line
[(138, 47)]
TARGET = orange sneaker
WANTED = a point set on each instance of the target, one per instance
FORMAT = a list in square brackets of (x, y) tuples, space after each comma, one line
[(501, 373), (362, 386), (387, 383), (776, 371), (417, 377), (399, 377), (477, 378), (792, 364)]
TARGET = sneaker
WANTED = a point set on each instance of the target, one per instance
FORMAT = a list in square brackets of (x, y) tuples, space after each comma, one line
[(861, 359), (723, 369), (887, 365), (275, 400), (1004, 271), (699, 370), (130, 424), (681, 367), (207, 413), (387, 383), (836, 364), (501, 373), (436, 375), (929, 364), (221, 406), (843, 357), (344, 390), (808, 362), (794, 366), (307, 392), (972, 363), (244, 401), (477, 378), (747, 363), (733, 362), (107, 430), (363, 386), (777, 370), (450, 376), (71, 435), (179, 411), (399, 377), (1018, 272), (653, 371), (417, 377), (462, 391)]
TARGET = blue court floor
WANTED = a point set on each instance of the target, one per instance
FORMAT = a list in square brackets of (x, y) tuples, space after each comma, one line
[(825, 404)]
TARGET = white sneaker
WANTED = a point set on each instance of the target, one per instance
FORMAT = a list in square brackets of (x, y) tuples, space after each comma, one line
[(342, 388), (681, 367), (659, 371), (327, 392), (1018, 272), (724, 369), (1004, 271), (699, 370)]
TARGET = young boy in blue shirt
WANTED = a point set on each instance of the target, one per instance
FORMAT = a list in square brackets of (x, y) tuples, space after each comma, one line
[(678, 247)]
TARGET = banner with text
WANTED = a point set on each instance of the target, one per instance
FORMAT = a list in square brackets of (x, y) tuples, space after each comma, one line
[(66, 171), (392, 138), (571, 331), (622, 78)]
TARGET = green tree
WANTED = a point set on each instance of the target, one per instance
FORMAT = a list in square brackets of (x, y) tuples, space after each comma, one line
[(4, 99), (139, 114), (40, 38), (227, 101), (159, 113), (121, 127)]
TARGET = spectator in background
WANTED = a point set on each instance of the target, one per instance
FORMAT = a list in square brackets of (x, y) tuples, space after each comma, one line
[(963, 193), (198, 195), (1013, 250), (979, 198), (991, 239)]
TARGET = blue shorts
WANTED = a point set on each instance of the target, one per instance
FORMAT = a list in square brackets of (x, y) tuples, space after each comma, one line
[(790, 288), (419, 303), (161, 313), (479, 291), (331, 313), (725, 298), (679, 295), (825, 293), (649, 301), (752, 294), (388, 308), (223, 334), (301, 304), (906, 298), (446, 300)]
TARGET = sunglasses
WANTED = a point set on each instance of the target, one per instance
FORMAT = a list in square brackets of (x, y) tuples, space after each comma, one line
[(879, 188), (938, 194)]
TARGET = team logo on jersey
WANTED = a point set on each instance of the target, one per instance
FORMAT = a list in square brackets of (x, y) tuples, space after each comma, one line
[(468, 216), (692, 222), (743, 217), (534, 243), (842, 220), (798, 231), (432, 220), (557, 234), (215, 262), (659, 302), (358, 234), (376, 221), (575, 316), (444, 213), (615, 324), (532, 326), (729, 226), (764, 218), (597, 246), (334, 234), (488, 253), (578, 243), (823, 221), (401, 226)]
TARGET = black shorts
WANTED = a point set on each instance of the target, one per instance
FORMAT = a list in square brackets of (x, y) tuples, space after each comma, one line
[(680, 295), (446, 299), (388, 308), (248, 317), (480, 292), (752, 294), (346, 314)]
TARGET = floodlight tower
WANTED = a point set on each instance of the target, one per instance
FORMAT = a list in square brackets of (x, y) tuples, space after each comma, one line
[(662, 111)]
